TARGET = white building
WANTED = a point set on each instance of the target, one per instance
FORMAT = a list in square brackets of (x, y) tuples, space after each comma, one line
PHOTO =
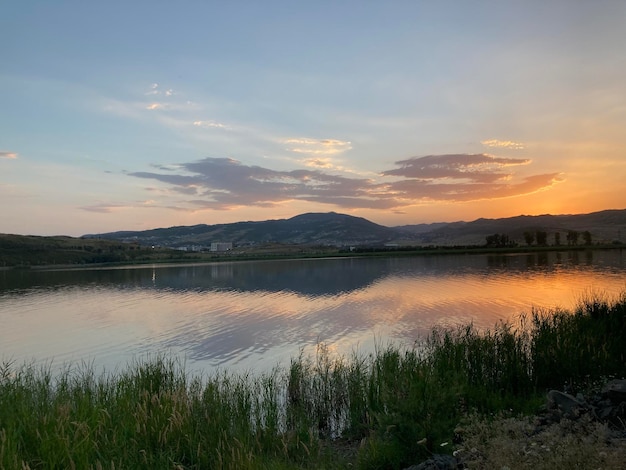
[(221, 246)]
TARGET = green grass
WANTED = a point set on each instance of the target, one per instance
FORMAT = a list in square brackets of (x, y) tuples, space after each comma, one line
[(389, 409)]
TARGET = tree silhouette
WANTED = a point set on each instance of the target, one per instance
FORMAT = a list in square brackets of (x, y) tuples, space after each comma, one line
[(499, 240), (529, 238), (542, 238), (572, 237)]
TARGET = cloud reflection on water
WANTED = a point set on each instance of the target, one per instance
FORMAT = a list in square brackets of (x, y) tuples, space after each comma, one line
[(251, 315)]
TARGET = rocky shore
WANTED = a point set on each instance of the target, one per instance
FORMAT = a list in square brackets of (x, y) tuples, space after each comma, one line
[(571, 431)]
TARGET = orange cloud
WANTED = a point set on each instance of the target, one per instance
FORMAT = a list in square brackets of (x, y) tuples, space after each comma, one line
[(225, 183), (8, 155), (509, 144), (319, 163), (318, 146)]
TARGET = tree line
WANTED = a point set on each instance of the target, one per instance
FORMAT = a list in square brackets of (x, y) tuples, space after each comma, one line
[(539, 238)]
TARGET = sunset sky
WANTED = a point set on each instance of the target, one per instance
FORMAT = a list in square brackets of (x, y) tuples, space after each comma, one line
[(131, 115)]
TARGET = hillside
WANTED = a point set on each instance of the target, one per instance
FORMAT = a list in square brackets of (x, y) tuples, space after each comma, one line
[(293, 236), (329, 229), (605, 227), (29, 250), (332, 229)]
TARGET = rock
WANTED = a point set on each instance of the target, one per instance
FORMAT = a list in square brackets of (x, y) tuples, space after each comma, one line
[(604, 410), (439, 462), (614, 415), (608, 406), (615, 390), (566, 403)]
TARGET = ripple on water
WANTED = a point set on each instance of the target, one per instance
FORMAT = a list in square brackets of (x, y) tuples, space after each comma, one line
[(252, 315)]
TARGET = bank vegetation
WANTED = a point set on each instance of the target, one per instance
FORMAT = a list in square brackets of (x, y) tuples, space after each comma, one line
[(389, 409)]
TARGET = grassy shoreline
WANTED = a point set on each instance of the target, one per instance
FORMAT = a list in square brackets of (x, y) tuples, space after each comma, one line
[(389, 409), (163, 256)]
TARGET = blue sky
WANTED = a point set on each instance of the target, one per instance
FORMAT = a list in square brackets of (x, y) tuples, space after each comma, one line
[(134, 115)]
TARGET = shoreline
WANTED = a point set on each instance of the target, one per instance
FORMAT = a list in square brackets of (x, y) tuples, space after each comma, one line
[(467, 394), (203, 258)]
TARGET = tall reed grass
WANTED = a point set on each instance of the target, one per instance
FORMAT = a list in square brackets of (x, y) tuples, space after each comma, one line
[(388, 409)]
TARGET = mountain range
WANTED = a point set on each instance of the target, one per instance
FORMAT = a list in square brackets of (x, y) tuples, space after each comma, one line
[(332, 229)]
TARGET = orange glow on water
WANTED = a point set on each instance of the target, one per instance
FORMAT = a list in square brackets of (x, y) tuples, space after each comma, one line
[(251, 315)]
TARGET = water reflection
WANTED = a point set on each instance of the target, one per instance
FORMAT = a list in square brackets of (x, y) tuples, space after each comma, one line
[(308, 277), (253, 314), (550, 259)]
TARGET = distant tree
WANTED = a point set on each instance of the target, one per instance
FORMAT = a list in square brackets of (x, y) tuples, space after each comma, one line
[(504, 239), (572, 237), (529, 238), (587, 237), (557, 238), (542, 238), (498, 240)]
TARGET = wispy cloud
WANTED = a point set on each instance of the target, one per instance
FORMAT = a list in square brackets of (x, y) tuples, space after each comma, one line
[(317, 146), (509, 144), (422, 191), (8, 155), (210, 124), (104, 208), (155, 90), (168, 108), (159, 94), (479, 168), (225, 183), (108, 208), (319, 163)]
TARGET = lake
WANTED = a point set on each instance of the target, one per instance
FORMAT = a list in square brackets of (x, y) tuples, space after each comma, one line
[(254, 315)]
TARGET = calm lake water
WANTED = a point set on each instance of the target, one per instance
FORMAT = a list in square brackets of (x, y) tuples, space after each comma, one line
[(255, 315)]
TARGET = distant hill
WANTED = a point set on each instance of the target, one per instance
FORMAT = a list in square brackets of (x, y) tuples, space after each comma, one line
[(295, 235), (332, 229), (29, 250), (605, 226)]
